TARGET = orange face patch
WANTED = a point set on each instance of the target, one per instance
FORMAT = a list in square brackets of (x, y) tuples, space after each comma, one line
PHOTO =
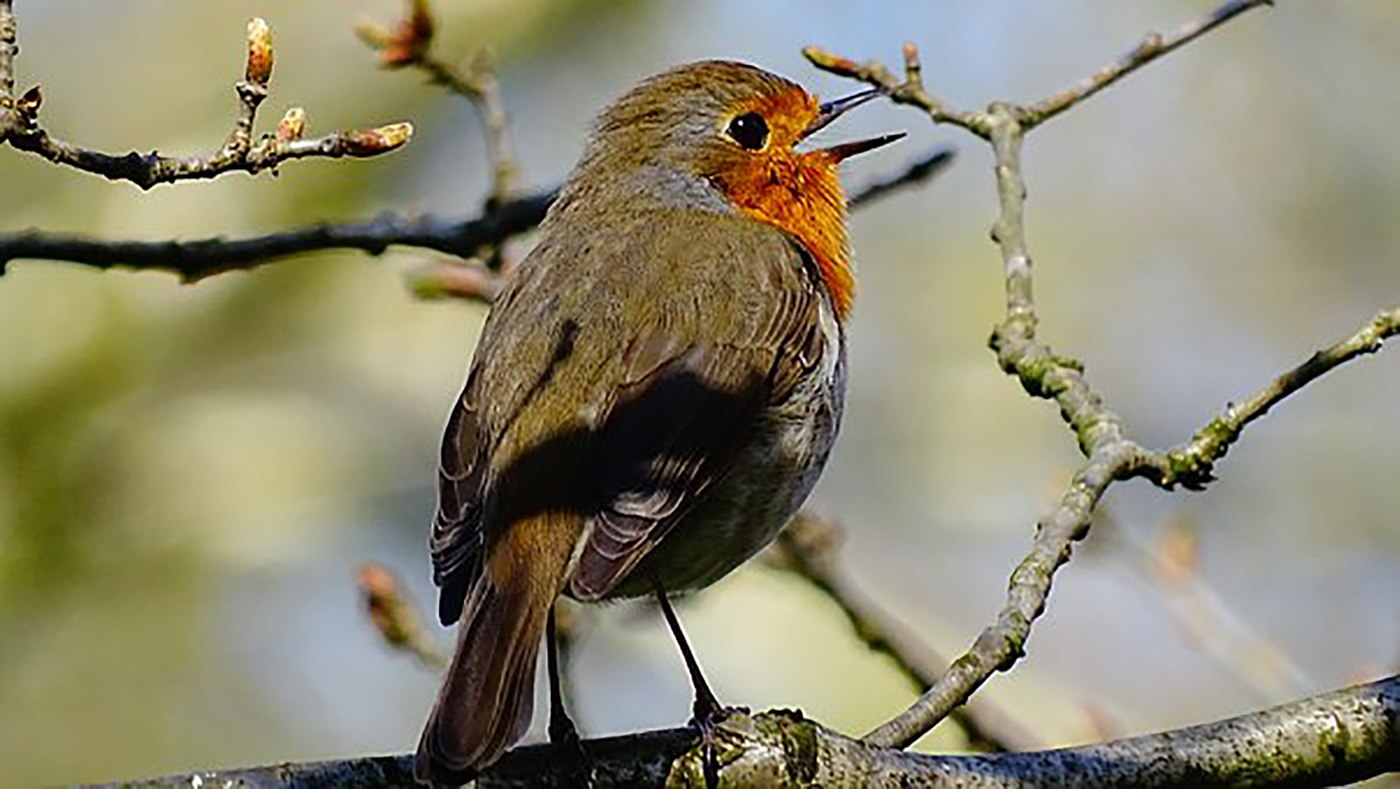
[(798, 193)]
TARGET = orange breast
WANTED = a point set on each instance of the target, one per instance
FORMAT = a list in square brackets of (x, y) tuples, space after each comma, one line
[(801, 194)]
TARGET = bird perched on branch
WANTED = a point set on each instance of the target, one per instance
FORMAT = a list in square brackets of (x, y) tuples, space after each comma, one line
[(654, 393)]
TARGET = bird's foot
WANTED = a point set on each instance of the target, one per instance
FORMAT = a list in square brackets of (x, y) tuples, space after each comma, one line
[(707, 717), (574, 764)]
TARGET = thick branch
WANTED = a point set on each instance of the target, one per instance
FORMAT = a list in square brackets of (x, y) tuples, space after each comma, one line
[(1348, 735), (19, 126)]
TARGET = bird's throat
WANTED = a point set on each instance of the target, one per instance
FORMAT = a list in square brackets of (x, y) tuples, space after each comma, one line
[(801, 195)]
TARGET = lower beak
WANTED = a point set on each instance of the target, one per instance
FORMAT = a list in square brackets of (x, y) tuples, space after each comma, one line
[(848, 149), (831, 110)]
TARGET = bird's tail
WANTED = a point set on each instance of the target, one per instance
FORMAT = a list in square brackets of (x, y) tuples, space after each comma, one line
[(487, 697)]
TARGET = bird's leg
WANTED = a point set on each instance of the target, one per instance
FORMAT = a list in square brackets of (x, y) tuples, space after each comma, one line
[(561, 726), (562, 732), (706, 710)]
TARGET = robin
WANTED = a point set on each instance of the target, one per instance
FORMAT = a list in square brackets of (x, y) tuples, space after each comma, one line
[(654, 393)]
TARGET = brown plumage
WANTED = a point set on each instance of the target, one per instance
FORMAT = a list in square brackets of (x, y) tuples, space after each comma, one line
[(655, 392)]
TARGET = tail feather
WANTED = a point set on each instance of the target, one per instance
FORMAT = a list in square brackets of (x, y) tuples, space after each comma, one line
[(487, 698)]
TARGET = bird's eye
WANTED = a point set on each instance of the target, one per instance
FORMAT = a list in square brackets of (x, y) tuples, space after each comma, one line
[(749, 130)]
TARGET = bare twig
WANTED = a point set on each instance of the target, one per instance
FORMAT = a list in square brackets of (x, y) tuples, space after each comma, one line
[(394, 616), (409, 44), (196, 259), (1340, 737), (922, 169), (19, 126), (466, 239), (9, 50), (808, 548), (1170, 565), (1152, 46), (911, 89), (1191, 463)]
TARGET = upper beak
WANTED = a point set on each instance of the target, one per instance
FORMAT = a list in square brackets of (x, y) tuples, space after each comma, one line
[(831, 110)]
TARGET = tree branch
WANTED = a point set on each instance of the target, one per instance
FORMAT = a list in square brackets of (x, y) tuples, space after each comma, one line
[(409, 44), (808, 549), (19, 126), (1191, 463), (1102, 436), (195, 259), (911, 90), (1152, 46), (395, 617), (1348, 735)]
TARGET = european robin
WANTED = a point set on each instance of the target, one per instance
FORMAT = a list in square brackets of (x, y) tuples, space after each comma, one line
[(655, 391)]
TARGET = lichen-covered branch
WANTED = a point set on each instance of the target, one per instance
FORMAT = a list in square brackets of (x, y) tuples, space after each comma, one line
[(1340, 737), (808, 549), (20, 127), (1102, 436), (1191, 463)]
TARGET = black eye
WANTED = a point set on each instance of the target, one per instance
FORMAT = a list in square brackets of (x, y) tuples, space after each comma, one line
[(749, 130)]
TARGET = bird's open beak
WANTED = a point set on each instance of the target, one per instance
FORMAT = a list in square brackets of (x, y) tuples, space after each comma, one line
[(831, 110)]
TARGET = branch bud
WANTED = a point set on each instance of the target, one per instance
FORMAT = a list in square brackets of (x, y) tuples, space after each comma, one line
[(384, 603), (1176, 554), (407, 43), (420, 23), (911, 54), (371, 142), (28, 104), (292, 126), (470, 280), (827, 61), (259, 69), (375, 35)]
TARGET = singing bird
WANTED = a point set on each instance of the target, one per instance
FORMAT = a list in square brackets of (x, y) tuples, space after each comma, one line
[(655, 392)]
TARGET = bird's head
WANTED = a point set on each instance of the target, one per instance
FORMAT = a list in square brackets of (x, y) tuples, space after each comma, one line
[(724, 136)]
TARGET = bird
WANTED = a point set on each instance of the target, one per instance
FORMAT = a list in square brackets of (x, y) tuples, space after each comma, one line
[(654, 393)]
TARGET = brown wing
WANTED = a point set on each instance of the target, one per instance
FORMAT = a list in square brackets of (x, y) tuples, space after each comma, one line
[(630, 409), (457, 542), (687, 406)]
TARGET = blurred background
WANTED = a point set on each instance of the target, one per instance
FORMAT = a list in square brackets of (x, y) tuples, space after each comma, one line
[(190, 476)]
